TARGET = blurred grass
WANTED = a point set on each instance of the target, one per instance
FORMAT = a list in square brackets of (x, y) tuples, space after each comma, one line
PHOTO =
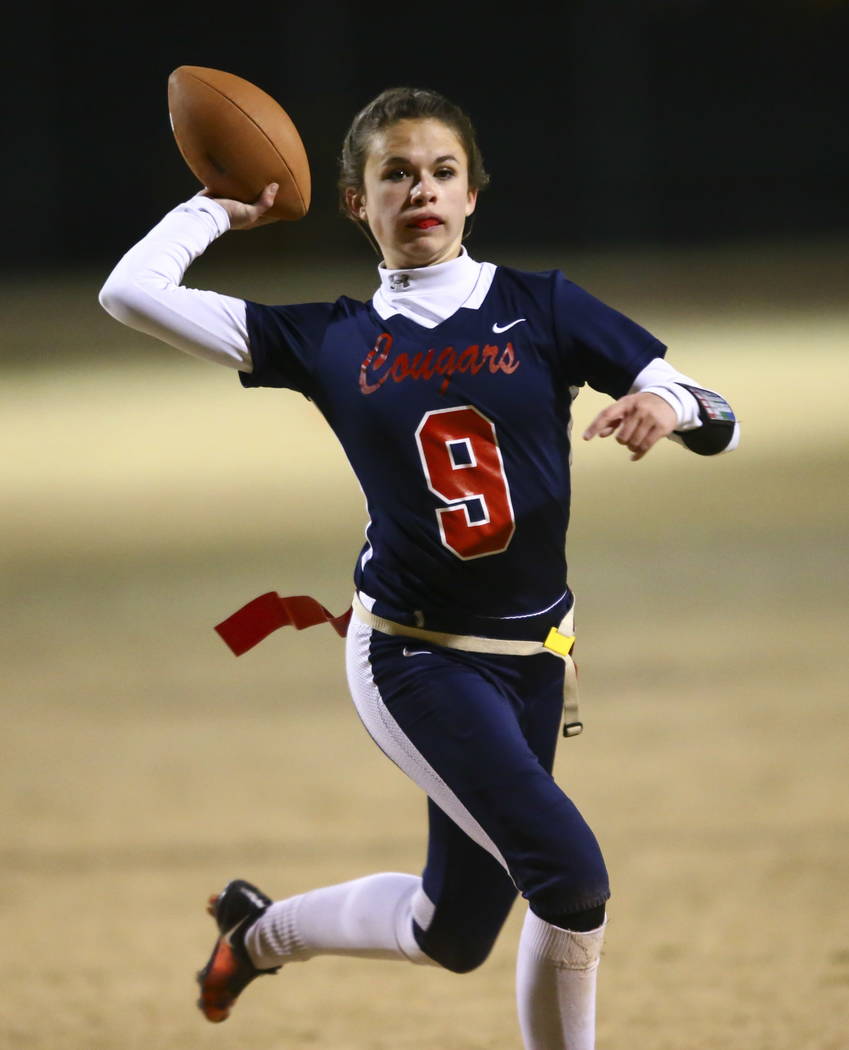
[(146, 497)]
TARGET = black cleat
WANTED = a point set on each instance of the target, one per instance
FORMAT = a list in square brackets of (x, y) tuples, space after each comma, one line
[(230, 970)]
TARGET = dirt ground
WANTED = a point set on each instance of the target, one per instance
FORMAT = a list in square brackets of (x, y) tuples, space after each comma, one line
[(145, 498)]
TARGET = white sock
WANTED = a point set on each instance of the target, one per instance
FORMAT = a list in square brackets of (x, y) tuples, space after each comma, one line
[(370, 917), (556, 985)]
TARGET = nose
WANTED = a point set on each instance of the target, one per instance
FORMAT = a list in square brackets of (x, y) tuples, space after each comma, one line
[(423, 191)]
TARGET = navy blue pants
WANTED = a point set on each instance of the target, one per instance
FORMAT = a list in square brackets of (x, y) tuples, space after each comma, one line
[(478, 733)]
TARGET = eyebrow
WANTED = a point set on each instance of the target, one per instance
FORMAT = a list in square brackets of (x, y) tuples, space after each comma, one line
[(406, 160)]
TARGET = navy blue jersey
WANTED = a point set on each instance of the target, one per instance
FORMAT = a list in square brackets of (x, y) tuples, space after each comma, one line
[(458, 435)]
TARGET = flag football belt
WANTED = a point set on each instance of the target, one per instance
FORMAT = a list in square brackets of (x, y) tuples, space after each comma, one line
[(252, 623), (559, 641)]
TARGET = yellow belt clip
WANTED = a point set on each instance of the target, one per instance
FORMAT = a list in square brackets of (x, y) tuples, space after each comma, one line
[(559, 643), (562, 645)]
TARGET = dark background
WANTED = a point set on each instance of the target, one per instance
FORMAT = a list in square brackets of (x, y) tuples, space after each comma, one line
[(601, 123)]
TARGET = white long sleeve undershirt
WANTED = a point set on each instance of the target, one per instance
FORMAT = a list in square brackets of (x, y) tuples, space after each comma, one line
[(145, 292), (145, 289)]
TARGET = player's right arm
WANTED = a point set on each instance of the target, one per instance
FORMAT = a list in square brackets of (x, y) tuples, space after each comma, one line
[(145, 289)]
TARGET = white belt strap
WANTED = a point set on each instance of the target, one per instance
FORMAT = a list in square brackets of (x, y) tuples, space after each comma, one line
[(559, 641)]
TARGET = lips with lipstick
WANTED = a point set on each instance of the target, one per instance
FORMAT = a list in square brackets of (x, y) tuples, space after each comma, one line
[(426, 223)]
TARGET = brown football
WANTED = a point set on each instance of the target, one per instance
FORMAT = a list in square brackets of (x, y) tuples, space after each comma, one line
[(236, 139)]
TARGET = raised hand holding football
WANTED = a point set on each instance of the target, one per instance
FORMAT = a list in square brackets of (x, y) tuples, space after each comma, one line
[(245, 216)]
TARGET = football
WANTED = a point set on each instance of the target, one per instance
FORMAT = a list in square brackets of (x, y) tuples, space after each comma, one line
[(236, 139)]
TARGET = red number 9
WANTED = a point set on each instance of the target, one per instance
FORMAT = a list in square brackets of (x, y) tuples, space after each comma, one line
[(463, 466)]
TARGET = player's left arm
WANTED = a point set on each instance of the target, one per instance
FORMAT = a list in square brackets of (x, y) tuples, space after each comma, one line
[(663, 402)]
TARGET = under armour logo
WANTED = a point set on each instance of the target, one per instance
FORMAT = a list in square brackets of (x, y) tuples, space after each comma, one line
[(399, 281)]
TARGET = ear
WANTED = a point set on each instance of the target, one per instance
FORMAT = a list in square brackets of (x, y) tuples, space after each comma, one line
[(356, 204), (471, 201)]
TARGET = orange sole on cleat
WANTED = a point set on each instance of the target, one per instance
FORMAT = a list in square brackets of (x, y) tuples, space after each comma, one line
[(213, 1015), (215, 1000)]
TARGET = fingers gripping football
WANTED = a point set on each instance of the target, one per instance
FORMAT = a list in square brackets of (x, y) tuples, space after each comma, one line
[(639, 421), (246, 216)]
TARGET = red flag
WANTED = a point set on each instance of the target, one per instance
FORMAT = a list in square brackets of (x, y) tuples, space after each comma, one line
[(256, 620)]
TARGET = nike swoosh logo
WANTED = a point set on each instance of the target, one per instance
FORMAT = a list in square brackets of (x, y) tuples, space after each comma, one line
[(227, 936), (498, 328), (417, 652)]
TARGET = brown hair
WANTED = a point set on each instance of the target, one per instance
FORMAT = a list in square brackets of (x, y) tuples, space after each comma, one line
[(404, 103)]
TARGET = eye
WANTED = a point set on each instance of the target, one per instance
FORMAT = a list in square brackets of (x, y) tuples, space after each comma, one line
[(396, 174), (445, 173)]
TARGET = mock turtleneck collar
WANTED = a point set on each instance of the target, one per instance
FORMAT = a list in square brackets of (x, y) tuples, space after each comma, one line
[(428, 294)]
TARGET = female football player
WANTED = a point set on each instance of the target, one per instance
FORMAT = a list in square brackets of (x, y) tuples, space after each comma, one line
[(450, 391)]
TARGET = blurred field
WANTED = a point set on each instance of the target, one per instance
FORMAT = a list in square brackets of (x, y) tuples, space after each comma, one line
[(145, 498)]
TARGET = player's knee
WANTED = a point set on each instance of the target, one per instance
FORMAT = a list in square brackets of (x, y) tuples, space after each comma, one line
[(581, 921), (573, 897), (462, 958), (455, 950)]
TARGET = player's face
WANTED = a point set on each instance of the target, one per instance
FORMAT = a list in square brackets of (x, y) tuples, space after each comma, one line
[(415, 195)]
